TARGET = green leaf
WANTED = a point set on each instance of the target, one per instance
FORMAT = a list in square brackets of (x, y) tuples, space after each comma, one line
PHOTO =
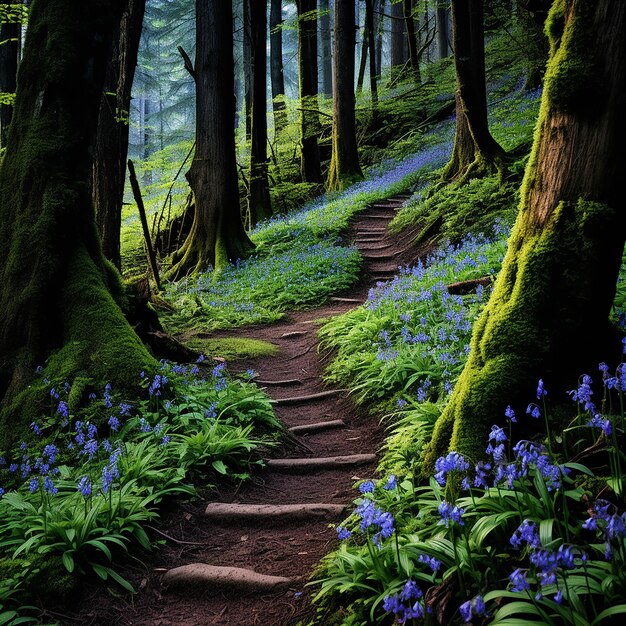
[(613, 610), (68, 561), (219, 467)]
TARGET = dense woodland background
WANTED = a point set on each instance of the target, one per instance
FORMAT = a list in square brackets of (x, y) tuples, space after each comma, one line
[(173, 168)]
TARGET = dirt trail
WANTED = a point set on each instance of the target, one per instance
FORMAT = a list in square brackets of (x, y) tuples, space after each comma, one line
[(287, 544)]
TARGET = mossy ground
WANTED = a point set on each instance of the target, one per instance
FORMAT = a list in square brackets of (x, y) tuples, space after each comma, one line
[(232, 348)]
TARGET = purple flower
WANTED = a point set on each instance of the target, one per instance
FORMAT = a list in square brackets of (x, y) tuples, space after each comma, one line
[(431, 561), (35, 428), (509, 413), (518, 579), (63, 409), (367, 487), (450, 514), (343, 533), (391, 483), (84, 486), (466, 611), (49, 486), (526, 532), (533, 410), (114, 423), (450, 463), (33, 485), (540, 390)]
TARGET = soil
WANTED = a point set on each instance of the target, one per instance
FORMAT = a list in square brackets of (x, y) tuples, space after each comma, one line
[(283, 549)]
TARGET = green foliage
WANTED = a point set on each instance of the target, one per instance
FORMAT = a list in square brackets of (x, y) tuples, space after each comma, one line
[(232, 348), (80, 493)]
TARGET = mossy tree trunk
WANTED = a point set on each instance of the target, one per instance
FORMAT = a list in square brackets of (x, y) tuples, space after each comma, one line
[(310, 165), (475, 151), (111, 149), (58, 294), (276, 66), (9, 49), (217, 235), (259, 204), (344, 163), (548, 314)]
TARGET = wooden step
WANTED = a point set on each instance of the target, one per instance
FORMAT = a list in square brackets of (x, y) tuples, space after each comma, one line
[(286, 381), (348, 300), (212, 576), (315, 427), (224, 511), (309, 397), (366, 240), (373, 256), (319, 463), (379, 216), (385, 246)]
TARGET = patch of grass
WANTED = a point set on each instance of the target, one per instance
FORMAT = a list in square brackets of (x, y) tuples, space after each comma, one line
[(232, 348)]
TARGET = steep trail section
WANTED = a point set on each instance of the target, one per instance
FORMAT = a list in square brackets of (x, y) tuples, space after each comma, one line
[(244, 558)]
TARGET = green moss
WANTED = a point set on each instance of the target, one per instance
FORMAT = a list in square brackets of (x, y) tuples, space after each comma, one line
[(571, 79), (231, 348)]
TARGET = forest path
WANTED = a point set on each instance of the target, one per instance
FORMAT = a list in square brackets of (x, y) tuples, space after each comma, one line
[(278, 524)]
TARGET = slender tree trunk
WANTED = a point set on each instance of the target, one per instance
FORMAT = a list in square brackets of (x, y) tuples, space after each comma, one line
[(276, 65), (58, 295), (398, 38), (307, 70), (259, 204), (412, 40), (380, 29), (482, 154), (217, 235), (9, 51), (111, 148), (443, 37), (548, 314), (363, 59), (371, 37), (326, 45), (344, 164), (247, 66)]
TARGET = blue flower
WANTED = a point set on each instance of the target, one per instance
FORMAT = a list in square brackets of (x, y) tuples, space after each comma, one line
[(63, 409), (533, 410), (391, 483), (509, 413), (35, 428), (466, 611), (450, 514), (33, 485), (518, 579), (453, 461), (114, 423), (540, 390), (431, 561), (367, 487), (49, 486), (84, 486), (343, 533)]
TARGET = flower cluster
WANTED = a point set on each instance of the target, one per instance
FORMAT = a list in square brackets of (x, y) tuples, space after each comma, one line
[(406, 605)]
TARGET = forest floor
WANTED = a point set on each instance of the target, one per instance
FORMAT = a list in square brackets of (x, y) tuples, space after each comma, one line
[(276, 546)]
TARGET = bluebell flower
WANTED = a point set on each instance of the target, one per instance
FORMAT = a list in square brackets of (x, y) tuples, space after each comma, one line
[(466, 611), (114, 423), (84, 486), (33, 485), (391, 483), (367, 487), (2, 492), (49, 486), (518, 580), (510, 414), (125, 408), (541, 392), (526, 532), (533, 410), (450, 514), (63, 410), (431, 561), (453, 461), (35, 428)]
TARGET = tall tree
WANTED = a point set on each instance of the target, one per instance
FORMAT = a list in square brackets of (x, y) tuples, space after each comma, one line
[(10, 26), (475, 150), (247, 66), (111, 148), (326, 45), (411, 36), (398, 38), (371, 37), (59, 298), (259, 203), (344, 163), (276, 65), (443, 37), (548, 315), (217, 235), (307, 72)]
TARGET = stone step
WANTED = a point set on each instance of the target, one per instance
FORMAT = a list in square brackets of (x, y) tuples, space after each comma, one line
[(377, 256), (217, 576), (367, 240), (319, 463), (372, 230), (385, 246), (310, 397), (294, 333), (223, 511), (315, 427), (379, 216), (348, 300)]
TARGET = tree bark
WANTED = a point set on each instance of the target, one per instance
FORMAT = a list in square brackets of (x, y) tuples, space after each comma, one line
[(307, 69), (247, 66), (412, 40), (217, 235), (482, 154), (398, 38), (9, 51), (326, 45), (276, 65), (111, 148), (443, 37), (344, 164), (59, 298), (371, 38), (259, 203), (548, 314), (380, 29)]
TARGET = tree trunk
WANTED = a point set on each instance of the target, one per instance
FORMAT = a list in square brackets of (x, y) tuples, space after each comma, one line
[(483, 154), (344, 164), (531, 16), (371, 37), (325, 32), (259, 204), (548, 314), (247, 66), (443, 37), (398, 38), (276, 65), (363, 59), (58, 295), (217, 235), (380, 29), (111, 149), (307, 68), (9, 50), (412, 40)]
